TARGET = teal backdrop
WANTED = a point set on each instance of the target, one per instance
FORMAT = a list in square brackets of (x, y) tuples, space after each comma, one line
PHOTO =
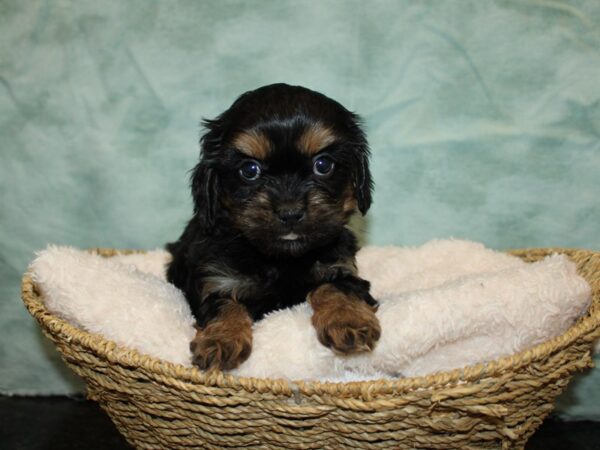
[(483, 117)]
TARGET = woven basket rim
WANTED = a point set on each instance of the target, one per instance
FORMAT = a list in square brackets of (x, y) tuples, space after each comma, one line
[(178, 375)]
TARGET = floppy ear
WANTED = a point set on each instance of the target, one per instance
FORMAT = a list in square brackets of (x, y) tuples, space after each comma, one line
[(363, 184), (205, 189), (205, 181)]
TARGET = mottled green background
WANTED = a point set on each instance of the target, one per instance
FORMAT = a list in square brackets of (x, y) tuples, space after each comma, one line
[(484, 119)]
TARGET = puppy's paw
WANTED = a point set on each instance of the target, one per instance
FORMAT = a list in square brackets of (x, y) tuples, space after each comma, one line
[(344, 322), (218, 348), (222, 352)]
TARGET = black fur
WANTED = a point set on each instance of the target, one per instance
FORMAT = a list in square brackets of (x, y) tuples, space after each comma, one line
[(232, 248)]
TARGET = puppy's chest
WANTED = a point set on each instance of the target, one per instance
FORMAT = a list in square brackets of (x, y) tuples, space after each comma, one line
[(281, 280), (263, 287)]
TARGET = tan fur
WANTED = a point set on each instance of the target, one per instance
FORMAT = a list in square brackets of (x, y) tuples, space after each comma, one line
[(225, 342), (322, 208), (257, 212), (253, 144), (350, 202), (344, 323), (316, 138)]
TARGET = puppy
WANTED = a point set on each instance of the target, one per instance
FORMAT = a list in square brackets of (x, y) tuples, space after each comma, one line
[(280, 174)]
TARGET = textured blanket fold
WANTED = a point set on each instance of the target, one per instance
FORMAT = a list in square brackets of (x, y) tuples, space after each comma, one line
[(444, 305)]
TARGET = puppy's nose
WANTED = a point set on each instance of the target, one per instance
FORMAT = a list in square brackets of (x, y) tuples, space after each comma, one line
[(291, 216)]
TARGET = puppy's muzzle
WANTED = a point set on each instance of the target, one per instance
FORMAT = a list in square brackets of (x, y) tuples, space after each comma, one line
[(291, 216)]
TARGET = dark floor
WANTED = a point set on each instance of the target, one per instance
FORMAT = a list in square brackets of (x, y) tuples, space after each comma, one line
[(60, 423)]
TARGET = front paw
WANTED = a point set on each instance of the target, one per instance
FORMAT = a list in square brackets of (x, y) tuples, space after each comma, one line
[(344, 322), (216, 349)]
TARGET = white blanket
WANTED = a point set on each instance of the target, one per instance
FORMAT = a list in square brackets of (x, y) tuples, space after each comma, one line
[(444, 305)]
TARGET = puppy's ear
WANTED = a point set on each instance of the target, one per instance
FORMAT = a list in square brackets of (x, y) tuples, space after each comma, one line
[(363, 184), (205, 181), (205, 190)]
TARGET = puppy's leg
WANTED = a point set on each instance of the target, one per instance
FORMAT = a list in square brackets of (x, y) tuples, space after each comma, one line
[(226, 341), (344, 316)]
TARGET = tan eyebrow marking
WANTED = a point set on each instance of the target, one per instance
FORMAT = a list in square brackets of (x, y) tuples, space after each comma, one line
[(316, 138), (253, 144)]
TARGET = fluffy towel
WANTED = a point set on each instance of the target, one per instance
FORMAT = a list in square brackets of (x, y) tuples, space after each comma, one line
[(111, 297), (444, 305)]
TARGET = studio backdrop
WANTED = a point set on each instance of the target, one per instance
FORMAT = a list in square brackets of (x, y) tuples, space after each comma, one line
[(483, 119)]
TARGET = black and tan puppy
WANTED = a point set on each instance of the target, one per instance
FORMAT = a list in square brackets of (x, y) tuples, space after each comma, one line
[(280, 174)]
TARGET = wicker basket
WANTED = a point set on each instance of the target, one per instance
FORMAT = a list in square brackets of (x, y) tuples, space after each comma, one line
[(156, 404)]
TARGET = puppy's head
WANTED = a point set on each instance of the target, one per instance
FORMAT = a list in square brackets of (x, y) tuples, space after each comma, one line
[(285, 166)]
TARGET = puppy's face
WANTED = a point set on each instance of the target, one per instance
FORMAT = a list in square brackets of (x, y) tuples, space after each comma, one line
[(284, 166)]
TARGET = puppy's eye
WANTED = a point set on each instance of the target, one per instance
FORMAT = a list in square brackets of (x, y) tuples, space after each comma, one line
[(250, 170), (323, 166)]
